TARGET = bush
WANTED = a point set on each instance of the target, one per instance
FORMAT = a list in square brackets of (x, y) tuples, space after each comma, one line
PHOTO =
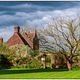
[(76, 68), (33, 53), (19, 56), (34, 64), (21, 62), (23, 55), (4, 62), (27, 62), (5, 57)]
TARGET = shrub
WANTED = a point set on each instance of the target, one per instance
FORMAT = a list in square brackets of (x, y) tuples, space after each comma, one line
[(17, 56), (5, 57), (20, 62), (33, 53), (23, 50), (23, 55), (75, 67), (34, 64), (4, 62)]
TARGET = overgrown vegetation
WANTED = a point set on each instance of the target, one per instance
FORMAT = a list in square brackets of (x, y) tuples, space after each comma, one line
[(5, 57), (19, 56), (4, 62), (35, 64)]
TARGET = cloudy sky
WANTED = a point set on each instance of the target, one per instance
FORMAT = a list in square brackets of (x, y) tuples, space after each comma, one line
[(33, 14)]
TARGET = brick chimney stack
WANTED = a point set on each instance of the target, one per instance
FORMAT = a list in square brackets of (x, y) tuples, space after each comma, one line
[(35, 41), (1, 40), (16, 29)]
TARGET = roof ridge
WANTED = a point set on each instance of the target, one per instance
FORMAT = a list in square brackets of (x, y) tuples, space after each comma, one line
[(28, 41), (21, 37)]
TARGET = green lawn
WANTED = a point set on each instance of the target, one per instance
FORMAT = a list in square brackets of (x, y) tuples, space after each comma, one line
[(39, 73)]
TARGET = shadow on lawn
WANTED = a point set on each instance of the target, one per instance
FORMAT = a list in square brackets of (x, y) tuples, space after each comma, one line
[(30, 71)]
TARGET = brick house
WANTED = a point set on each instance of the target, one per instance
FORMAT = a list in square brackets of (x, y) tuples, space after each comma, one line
[(27, 38)]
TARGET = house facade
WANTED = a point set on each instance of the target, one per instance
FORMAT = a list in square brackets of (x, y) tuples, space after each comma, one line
[(25, 38)]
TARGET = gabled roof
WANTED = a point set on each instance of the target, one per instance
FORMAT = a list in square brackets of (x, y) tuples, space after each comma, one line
[(16, 38), (25, 38)]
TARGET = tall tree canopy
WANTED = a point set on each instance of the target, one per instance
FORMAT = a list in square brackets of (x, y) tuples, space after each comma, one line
[(62, 35)]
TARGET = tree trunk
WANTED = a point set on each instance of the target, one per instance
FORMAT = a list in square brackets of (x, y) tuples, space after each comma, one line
[(69, 65)]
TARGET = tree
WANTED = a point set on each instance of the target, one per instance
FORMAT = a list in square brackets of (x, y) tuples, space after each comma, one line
[(62, 35)]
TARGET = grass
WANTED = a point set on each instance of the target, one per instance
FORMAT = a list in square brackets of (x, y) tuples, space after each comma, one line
[(39, 73)]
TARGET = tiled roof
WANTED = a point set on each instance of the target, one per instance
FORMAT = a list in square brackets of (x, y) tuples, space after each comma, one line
[(29, 42), (25, 38), (30, 35), (18, 38)]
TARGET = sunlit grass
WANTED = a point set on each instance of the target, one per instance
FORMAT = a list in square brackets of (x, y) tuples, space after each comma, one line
[(38, 73)]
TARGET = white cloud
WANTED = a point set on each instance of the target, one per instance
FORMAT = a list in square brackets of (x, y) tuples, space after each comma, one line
[(38, 18)]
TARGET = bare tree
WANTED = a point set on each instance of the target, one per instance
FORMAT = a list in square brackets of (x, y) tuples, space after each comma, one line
[(62, 36)]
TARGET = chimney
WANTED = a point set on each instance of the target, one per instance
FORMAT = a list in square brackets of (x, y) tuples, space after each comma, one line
[(16, 29), (1, 40), (35, 41)]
